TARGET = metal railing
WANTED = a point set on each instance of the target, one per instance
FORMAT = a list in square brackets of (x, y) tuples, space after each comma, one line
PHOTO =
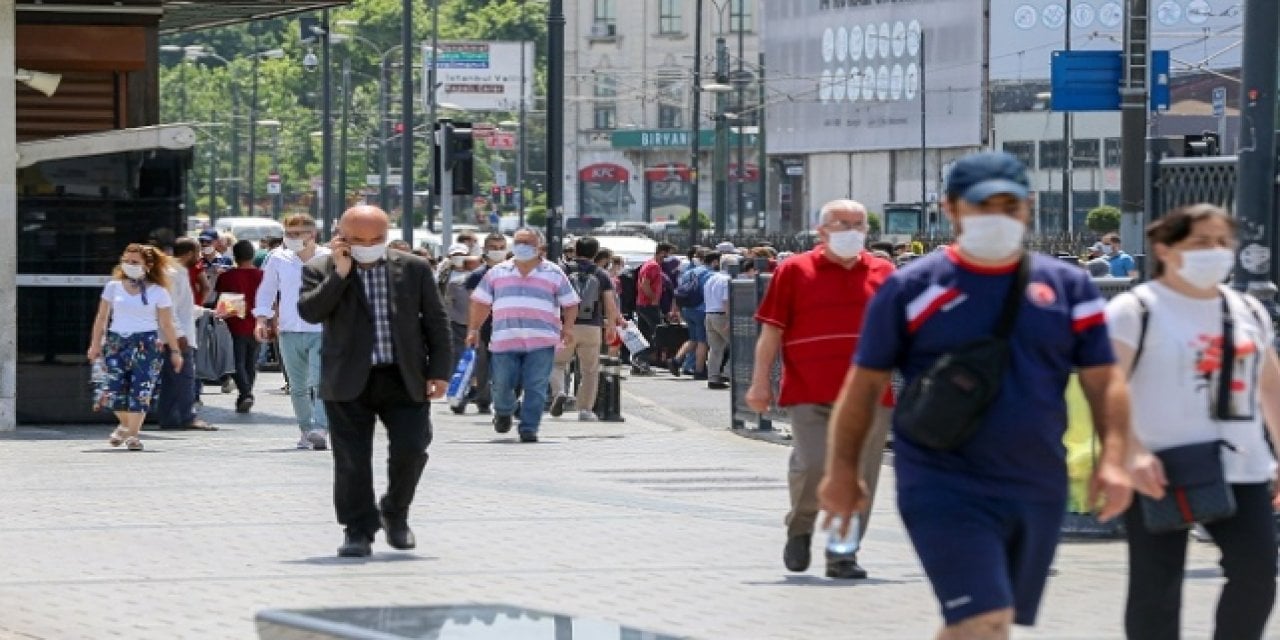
[(1183, 181)]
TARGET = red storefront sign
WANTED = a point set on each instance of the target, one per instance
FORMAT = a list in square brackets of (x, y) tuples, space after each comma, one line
[(670, 172), (604, 172)]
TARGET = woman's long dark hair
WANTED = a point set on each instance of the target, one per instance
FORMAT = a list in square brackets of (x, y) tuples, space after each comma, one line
[(1176, 225)]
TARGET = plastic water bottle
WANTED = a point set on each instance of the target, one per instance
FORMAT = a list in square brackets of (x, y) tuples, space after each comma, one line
[(844, 545), (461, 379)]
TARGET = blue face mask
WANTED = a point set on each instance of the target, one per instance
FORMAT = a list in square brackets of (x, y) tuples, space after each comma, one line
[(524, 252)]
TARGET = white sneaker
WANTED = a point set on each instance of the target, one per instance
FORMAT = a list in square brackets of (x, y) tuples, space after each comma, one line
[(587, 416), (304, 444), (319, 439)]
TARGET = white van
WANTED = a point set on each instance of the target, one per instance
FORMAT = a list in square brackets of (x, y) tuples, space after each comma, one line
[(253, 229)]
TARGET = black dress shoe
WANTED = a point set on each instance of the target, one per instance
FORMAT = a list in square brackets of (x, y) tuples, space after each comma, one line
[(557, 405), (356, 545), (673, 366), (716, 384), (528, 436), (845, 568), (502, 424), (796, 553), (483, 409), (398, 533)]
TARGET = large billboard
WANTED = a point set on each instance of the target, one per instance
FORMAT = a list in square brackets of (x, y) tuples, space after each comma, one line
[(482, 76), (1024, 33), (846, 75)]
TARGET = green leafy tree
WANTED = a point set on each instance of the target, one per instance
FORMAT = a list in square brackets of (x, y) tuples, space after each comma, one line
[(535, 216), (873, 222), (1104, 219), (704, 221)]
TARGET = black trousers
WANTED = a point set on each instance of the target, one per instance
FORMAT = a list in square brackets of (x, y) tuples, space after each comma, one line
[(408, 425), (245, 349), (1156, 562), (647, 320)]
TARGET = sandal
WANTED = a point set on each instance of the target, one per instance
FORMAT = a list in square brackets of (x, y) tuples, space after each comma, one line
[(118, 436), (133, 443), (201, 425)]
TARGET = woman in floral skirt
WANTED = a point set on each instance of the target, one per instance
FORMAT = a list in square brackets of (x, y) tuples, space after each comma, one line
[(125, 346)]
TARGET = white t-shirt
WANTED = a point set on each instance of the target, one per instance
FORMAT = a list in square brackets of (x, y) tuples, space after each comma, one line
[(1175, 383), (128, 314)]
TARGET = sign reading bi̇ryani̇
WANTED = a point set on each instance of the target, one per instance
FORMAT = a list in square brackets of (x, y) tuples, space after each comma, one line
[(847, 75), (482, 76)]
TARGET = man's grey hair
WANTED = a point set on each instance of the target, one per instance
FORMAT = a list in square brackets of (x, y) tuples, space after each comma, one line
[(537, 233), (853, 206)]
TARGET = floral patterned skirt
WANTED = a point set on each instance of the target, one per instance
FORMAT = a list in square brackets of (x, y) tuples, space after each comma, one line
[(125, 378)]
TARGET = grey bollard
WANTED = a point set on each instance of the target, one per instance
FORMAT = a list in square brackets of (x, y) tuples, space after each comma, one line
[(609, 397)]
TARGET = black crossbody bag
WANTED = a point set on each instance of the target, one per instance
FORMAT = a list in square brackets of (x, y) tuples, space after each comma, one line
[(943, 408), (1197, 489)]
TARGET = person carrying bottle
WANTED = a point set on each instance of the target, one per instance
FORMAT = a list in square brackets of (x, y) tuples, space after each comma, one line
[(981, 471), (134, 312), (812, 314), (1205, 381)]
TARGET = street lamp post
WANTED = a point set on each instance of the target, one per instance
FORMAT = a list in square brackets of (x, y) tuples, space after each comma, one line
[(196, 52), (253, 115), (429, 68), (696, 117), (384, 105), (555, 126), (342, 135), (720, 163)]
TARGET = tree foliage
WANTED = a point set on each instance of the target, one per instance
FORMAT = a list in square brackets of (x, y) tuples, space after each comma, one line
[(217, 96), (1104, 219)]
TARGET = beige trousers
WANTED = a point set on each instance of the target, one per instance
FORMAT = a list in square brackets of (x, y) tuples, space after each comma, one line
[(586, 344), (809, 459)]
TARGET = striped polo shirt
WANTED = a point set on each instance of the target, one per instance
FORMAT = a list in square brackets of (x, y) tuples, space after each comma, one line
[(526, 308)]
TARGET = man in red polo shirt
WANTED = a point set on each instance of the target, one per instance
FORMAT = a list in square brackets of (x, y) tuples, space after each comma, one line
[(812, 313)]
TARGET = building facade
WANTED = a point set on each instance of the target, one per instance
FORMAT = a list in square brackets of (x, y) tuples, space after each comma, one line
[(629, 121)]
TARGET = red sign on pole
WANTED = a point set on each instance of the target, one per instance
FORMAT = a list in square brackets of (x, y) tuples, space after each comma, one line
[(502, 141)]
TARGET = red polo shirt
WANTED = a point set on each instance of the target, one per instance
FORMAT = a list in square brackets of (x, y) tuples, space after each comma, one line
[(819, 306)]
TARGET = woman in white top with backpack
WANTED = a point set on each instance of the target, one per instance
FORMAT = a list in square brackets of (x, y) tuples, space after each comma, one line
[(125, 346), (1204, 381)]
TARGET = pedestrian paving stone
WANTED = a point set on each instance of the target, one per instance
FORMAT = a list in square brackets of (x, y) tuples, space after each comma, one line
[(666, 522)]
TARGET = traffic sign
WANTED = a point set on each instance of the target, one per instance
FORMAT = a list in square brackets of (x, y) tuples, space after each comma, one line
[(1091, 80), (1219, 102), (500, 178), (502, 141), (273, 184)]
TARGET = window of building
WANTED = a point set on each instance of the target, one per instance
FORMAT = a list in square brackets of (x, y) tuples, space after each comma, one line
[(606, 116), (670, 117), (1024, 151), (606, 12), (1085, 153), (1082, 202), (1051, 154), (606, 86), (669, 21), (1112, 148), (1111, 198), (1051, 218), (740, 20)]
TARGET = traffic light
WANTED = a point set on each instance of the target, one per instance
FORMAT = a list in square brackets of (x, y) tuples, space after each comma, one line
[(495, 193), (457, 147)]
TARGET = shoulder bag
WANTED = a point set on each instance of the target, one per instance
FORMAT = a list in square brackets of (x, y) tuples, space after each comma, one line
[(943, 408)]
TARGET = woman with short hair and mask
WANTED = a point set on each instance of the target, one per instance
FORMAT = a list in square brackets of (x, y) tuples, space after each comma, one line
[(1206, 389), (125, 348)]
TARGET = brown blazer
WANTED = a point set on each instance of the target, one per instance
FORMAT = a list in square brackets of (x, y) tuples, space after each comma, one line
[(419, 326)]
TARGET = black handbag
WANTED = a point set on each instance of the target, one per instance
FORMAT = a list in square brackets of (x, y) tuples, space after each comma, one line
[(1197, 490), (943, 408)]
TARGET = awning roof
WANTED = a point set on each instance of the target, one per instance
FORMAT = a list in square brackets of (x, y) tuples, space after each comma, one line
[(180, 15)]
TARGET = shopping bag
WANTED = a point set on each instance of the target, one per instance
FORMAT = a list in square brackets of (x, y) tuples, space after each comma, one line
[(460, 383), (633, 338)]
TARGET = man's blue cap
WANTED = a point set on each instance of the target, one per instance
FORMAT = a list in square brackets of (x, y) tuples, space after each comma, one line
[(979, 176), (208, 235)]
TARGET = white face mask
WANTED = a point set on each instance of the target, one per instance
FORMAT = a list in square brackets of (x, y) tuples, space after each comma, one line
[(369, 255), (1205, 268), (524, 252), (295, 244), (133, 271), (991, 236), (497, 255), (846, 244), (1107, 250), (208, 250), (458, 261)]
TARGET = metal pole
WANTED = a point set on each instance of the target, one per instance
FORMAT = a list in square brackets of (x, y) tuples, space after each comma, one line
[(444, 136), (1133, 125), (213, 177), (383, 136), (720, 163), (924, 141), (277, 202), (740, 180), (555, 127), (520, 154), (432, 109), (1256, 270), (342, 135), (695, 118), (235, 142), (326, 132), (761, 159), (1068, 142), (406, 110), (9, 244), (253, 122)]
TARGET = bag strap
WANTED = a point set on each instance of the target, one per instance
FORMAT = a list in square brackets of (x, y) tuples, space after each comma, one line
[(1013, 299), (1144, 320), (1226, 372)]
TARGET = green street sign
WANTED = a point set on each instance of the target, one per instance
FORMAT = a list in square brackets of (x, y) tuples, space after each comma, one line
[(672, 139)]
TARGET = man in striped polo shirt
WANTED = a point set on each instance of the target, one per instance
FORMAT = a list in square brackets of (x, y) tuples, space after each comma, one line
[(534, 308)]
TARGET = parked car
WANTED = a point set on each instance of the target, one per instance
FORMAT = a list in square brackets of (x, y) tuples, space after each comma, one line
[(248, 228), (633, 249)]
